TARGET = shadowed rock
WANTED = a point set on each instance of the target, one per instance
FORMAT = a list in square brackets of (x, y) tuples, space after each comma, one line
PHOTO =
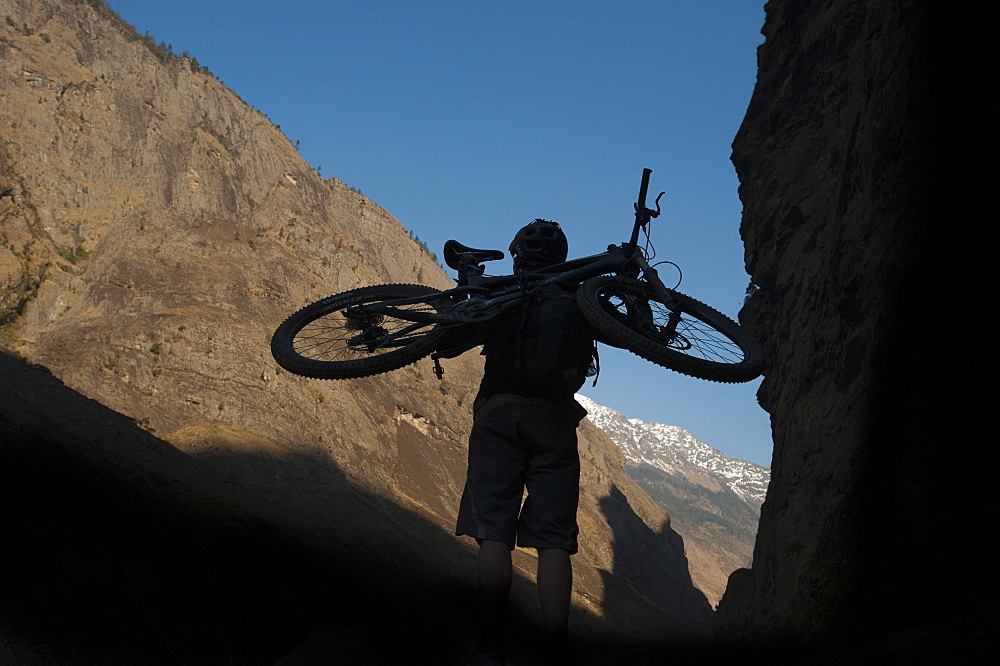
[(856, 162)]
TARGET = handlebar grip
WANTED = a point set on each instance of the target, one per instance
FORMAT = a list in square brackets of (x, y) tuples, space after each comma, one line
[(642, 189)]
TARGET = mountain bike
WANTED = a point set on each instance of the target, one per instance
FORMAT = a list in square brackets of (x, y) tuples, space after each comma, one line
[(376, 329)]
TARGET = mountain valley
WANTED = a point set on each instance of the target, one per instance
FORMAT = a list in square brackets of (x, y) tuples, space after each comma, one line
[(712, 500), (155, 230)]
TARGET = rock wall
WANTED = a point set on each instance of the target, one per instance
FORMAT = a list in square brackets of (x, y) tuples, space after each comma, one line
[(861, 162)]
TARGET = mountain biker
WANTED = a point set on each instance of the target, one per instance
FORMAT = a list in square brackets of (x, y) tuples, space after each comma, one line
[(524, 436)]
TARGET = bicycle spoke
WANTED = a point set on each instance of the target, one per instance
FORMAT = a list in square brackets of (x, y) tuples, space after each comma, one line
[(335, 337), (702, 340)]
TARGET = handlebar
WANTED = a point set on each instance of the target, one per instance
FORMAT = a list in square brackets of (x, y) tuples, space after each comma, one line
[(643, 187), (643, 214)]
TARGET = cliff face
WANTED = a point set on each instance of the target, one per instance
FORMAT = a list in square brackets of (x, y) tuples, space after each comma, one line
[(858, 153), (155, 230)]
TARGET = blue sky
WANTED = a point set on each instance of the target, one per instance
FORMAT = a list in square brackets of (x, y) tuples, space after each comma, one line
[(467, 119)]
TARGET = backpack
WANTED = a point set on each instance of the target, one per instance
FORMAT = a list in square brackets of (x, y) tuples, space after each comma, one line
[(546, 350)]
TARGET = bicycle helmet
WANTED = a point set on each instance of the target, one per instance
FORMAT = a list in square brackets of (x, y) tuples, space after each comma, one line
[(539, 244)]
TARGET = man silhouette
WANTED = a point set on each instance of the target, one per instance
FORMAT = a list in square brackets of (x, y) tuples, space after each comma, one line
[(524, 436)]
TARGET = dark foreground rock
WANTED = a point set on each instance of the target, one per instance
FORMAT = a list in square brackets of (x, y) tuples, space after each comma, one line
[(865, 159)]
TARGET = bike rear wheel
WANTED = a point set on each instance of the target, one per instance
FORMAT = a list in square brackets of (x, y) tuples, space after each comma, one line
[(679, 333), (334, 339)]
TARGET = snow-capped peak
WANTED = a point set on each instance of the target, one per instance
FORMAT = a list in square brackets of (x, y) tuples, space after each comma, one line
[(676, 451)]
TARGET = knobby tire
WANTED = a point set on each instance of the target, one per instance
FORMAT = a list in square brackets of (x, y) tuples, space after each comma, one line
[(627, 313), (320, 342)]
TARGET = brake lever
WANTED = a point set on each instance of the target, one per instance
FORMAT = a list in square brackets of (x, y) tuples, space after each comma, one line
[(648, 213), (657, 202)]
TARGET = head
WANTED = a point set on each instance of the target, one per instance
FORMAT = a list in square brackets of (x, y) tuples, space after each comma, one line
[(539, 244)]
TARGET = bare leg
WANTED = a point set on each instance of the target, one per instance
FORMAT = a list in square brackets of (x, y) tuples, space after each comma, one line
[(555, 582), (495, 575)]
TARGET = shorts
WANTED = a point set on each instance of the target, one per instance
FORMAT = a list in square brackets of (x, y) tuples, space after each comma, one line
[(517, 443)]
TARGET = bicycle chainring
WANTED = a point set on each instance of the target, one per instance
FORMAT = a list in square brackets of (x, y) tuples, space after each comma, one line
[(474, 311)]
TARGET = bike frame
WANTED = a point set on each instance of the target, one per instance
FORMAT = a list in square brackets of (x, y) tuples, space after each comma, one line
[(624, 303), (493, 296)]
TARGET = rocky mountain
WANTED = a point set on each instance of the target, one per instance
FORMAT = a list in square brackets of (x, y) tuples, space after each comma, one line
[(674, 450), (168, 493), (865, 157), (713, 500), (168, 496)]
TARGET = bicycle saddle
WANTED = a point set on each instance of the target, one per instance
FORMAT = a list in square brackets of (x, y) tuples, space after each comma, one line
[(458, 256)]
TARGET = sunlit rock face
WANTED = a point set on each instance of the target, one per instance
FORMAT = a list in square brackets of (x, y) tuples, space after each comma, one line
[(856, 160)]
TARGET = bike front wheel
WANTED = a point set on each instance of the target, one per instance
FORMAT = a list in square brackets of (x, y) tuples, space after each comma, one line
[(679, 332), (336, 339)]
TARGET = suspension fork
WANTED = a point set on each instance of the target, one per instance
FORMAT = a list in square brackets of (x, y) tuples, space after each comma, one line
[(666, 296)]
